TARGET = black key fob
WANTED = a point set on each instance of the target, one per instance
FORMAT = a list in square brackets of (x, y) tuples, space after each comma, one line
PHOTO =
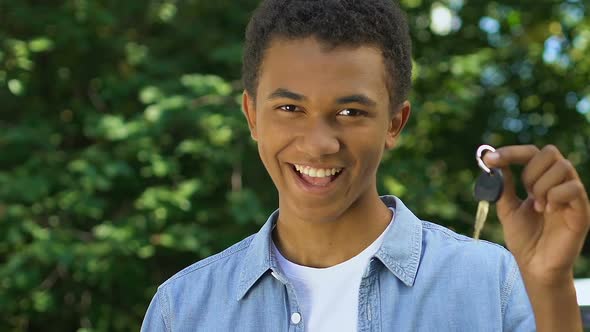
[(489, 186)]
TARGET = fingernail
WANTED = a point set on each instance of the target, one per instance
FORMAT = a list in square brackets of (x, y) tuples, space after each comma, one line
[(538, 206), (492, 156)]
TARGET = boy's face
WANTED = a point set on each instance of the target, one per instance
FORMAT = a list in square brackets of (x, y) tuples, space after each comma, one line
[(322, 109)]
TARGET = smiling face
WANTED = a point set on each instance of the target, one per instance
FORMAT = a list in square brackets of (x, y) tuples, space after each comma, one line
[(322, 121)]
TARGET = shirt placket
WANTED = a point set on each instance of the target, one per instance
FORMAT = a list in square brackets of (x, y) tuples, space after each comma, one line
[(369, 307), (294, 311)]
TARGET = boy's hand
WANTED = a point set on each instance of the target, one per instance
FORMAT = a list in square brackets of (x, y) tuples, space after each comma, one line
[(546, 231)]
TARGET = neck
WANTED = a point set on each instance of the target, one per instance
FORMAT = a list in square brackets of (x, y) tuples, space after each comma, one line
[(323, 244)]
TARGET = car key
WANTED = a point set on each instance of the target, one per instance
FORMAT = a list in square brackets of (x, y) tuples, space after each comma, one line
[(488, 189)]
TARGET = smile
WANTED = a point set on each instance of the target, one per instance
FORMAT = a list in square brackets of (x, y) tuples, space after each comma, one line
[(316, 180), (317, 172)]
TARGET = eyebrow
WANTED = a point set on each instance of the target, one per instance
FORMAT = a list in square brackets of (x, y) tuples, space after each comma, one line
[(284, 93), (356, 98)]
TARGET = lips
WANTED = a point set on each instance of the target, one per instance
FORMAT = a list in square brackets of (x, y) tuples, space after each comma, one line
[(314, 181), (315, 184), (317, 171)]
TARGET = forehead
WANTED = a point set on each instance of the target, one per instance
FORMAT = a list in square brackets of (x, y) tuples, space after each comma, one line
[(310, 67)]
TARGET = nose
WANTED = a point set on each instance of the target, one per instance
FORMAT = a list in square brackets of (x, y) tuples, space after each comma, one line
[(318, 139)]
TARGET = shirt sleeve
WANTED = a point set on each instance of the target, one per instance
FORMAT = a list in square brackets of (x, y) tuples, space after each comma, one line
[(154, 320), (518, 312)]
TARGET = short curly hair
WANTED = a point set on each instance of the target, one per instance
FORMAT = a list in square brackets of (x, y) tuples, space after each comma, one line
[(380, 23)]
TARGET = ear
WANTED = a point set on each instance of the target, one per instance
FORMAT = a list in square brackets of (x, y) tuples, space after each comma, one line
[(249, 110), (396, 124)]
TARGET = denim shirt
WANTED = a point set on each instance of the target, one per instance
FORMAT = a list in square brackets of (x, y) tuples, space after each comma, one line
[(424, 277)]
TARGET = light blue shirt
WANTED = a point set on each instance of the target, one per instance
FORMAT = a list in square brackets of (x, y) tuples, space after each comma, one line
[(424, 277)]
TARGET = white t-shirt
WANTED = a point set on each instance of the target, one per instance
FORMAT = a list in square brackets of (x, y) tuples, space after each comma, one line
[(329, 297)]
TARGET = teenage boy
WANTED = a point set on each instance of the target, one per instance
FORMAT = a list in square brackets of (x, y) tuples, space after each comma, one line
[(326, 83)]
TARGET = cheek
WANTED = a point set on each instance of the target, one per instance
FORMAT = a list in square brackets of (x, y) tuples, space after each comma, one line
[(274, 133), (265, 150), (271, 141), (369, 152), (270, 125), (269, 162)]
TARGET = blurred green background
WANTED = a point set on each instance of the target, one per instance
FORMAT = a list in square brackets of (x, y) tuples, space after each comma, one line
[(124, 156)]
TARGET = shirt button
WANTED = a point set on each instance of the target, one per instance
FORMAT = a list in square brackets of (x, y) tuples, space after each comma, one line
[(295, 318)]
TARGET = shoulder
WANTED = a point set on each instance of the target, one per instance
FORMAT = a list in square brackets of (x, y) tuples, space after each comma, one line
[(459, 252), (478, 263), (220, 265), (208, 283), (437, 235)]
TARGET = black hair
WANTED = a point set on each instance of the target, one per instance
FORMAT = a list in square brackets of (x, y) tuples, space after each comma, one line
[(379, 23)]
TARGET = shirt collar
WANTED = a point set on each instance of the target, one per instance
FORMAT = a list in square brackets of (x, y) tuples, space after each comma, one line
[(400, 252), (402, 246), (259, 257)]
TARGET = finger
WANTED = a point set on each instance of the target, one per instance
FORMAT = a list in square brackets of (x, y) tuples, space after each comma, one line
[(508, 201), (502, 158), (559, 172), (541, 163), (571, 193), (508, 155)]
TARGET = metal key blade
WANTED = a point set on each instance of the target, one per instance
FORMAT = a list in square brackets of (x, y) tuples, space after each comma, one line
[(480, 217)]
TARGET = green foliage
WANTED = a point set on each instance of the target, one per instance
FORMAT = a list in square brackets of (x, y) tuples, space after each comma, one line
[(125, 156)]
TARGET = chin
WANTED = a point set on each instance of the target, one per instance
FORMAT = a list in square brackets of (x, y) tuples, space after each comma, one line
[(318, 213)]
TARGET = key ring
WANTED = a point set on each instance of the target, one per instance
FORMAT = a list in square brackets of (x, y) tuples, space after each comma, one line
[(479, 154)]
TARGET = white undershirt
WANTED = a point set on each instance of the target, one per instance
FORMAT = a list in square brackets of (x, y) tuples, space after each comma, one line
[(329, 297)]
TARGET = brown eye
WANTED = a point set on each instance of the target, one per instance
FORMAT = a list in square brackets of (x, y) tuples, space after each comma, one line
[(351, 112), (288, 108)]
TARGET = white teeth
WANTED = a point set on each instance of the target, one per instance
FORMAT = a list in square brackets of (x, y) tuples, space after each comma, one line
[(317, 172)]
